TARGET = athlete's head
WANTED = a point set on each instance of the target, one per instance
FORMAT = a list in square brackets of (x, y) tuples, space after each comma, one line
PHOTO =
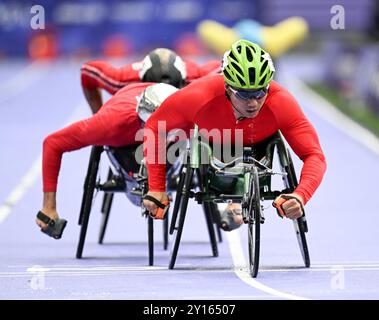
[(163, 65), (247, 71), (152, 97)]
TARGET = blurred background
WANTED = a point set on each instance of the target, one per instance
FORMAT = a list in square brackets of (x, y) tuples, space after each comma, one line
[(326, 54), (337, 43)]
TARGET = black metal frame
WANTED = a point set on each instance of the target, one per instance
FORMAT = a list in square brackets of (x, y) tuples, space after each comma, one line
[(90, 185), (260, 188)]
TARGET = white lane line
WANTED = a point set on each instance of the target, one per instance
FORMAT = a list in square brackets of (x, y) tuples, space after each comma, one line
[(321, 269), (18, 192), (241, 271), (23, 79), (31, 175), (323, 108), (93, 269)]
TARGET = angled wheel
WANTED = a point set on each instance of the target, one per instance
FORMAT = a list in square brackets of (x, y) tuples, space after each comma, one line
[(254, 223), (211, 231), (216, 220), (106, 209), (300, 224), (182, 205), (178, 196), (291, 183), (107, 205), (165, 231), (88, 196), (150, 232)]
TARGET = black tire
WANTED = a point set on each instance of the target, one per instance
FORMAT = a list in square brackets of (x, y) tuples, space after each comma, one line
[(300, 224), (290, 181), (165, 231), (211, 231), (216, 220), (106, 209), (94, 150), (182, 208), (178, 197), (88, 197), (254, 224), (150, 236)]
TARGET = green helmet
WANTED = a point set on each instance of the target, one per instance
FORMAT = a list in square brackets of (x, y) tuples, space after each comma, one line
[(247, 66)]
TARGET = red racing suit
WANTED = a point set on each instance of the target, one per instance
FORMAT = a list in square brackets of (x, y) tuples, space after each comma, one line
[(100, 74), (116, 125), (204, 103)]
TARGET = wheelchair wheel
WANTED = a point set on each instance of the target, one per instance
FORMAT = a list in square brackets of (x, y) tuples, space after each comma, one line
[(85, 210), (211, 231), (299, 224), (178, 196), (106, 209), (181, 207), (291, 183), (150, 236), (165, 231), (254, 224)]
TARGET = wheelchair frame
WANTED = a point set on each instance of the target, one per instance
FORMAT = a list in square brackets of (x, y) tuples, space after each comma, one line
[(89, 187), (90, 184), (253, 173)]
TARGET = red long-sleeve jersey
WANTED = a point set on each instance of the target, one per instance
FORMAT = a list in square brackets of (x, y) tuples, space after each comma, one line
[(100, 74), (116, 125), (204, 103)]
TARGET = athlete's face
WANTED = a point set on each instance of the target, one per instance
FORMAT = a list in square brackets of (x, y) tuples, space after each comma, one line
[(247, 105)]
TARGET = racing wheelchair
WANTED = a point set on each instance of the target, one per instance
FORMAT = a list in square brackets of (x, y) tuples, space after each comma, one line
[(245, 180), (128, 176), (132, 180)]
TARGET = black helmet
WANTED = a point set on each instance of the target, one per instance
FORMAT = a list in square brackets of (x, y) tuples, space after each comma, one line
[(163, 65)]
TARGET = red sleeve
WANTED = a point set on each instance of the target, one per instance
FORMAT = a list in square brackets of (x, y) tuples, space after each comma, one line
[(100, 74), (195, 71), (177, 112), (210, 67), (303, 139), (75, 136)]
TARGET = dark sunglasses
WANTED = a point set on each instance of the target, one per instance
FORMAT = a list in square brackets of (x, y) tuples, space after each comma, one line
[(247, 95)]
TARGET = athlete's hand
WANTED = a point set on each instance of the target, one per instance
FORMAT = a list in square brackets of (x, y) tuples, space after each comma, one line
[(151, 206), (293, 208)]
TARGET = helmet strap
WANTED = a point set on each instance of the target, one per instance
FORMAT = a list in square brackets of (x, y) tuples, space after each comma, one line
[(234, 107)]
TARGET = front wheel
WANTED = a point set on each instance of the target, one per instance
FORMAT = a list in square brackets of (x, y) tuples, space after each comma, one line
[(254, 224)]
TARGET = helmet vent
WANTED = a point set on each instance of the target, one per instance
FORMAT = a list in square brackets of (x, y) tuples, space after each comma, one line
[(242, 82), (232, 56), (239, 49), (263, 80), (237, 67), (249, 55), (226, 74), (252, 76), (264, 66)]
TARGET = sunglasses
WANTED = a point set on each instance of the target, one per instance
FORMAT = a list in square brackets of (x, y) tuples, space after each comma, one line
[(247, 95)]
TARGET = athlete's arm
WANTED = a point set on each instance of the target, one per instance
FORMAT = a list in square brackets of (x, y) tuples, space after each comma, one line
[(303, 139)]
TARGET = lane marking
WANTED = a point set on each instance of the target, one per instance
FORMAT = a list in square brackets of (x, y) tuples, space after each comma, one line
[(243, 273), (31, 175), (18, 192), (23, 79), (337, 119)]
